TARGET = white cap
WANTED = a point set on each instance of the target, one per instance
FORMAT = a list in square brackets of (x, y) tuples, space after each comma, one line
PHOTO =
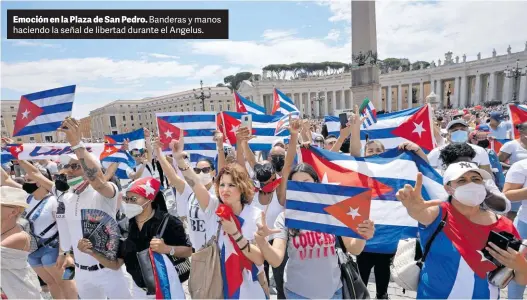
[(278, 141), (458, 169), (65, 159), (13, 196)]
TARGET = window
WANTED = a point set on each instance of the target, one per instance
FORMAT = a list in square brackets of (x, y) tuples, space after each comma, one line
[(139, 117), (124, 118), (221, 107), (228, 107), (12, 108), (3, 124), (113, 122), (132, 118), (194, 107), (212, 107), (140, 124), (31, 138)]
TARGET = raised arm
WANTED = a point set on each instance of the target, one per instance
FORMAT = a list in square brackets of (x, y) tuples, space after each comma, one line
[(424, 212), (168, 170), (294, 128), (35, 175), (218, 138), (243, 136), (8, 181), (89, 163)]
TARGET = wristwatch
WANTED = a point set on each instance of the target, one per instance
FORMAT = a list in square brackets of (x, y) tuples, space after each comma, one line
[(172, 251), (79, 145)]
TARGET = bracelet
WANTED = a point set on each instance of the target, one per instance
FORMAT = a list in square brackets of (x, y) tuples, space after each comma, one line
[(235, 234), (239, 239), (246, 245), (183, 169)]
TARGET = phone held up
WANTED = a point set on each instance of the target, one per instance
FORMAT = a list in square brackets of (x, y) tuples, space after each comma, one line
[(343, 118), (69, 273), (247, 121)]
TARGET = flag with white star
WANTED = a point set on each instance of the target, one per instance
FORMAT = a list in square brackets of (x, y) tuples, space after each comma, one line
[(43, 111)]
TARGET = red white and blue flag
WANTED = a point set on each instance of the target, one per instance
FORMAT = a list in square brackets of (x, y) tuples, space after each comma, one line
[(244, 105), (166, 278), (391, 219), (282, 105), (43, 111), (414, 125), (326, 208), (518, 115)]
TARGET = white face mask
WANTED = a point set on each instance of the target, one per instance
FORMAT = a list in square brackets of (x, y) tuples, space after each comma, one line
[(205, 178), (132, 209), (471, 194)]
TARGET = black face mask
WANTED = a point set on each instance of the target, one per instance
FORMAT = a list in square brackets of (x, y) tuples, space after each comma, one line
[(29, 187), (264, 171), (278, 162), (61, 183), (484, 144)]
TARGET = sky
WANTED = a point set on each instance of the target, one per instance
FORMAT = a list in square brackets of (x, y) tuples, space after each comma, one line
[(261, 33)]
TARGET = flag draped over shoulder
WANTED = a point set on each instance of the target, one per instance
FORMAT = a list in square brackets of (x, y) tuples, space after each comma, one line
[(384, 174)]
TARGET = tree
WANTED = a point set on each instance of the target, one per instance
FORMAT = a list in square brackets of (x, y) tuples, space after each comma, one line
[(417, 65), (220, 85), (233, 81)]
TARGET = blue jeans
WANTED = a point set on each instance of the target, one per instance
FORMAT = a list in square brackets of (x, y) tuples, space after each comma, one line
[(44, 257), (291, 295), (516, 290)]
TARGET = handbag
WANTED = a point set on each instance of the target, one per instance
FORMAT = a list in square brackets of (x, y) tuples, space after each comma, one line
[(205, 280), (145, 261), (182, 267), (407, 263), (352, 285)]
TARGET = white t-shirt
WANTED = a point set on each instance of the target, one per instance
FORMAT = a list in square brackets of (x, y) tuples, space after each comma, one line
[(516, 151), (481, 158), (74, 204), (518, 174), (202, 225), (43, 216), (272, 212)]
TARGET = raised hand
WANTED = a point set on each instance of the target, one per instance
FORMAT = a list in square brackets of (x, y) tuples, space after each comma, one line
[(218, 137), (409, 146), (411, 197), (125, 145), (70, 127), (85, 246), (146, 132), (263, 230), (294, 125), (366, 229), (158, 146)]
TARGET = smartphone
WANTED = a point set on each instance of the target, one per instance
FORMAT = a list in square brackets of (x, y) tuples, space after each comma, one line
[(499, 240), (69, 273), (247, 121), (343, 117)]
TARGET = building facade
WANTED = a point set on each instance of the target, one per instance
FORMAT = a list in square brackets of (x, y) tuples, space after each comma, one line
[(123, 116), (85, 126), (457, 84), (8, 118)]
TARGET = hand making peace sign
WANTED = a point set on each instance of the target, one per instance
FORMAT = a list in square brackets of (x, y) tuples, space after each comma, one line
[(264, 231), (411, 197)]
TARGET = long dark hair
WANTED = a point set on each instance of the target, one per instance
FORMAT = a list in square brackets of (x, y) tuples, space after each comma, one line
[(159, 202), (304, 168)]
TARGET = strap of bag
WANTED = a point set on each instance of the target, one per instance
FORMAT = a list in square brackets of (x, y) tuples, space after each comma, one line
[(436, 232), (47, 229), (36, 206), (162, 226), (218, 234)]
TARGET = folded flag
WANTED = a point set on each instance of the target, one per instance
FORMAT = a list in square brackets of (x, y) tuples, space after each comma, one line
[(43, 111), (326, 208), (263, 127), (282, 104), (518, 115), (414, 125), (247, 106), (198, 129), (368, 112), (136, 139), (391, 219)]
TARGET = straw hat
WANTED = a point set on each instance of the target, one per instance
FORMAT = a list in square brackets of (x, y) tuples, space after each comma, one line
[(13, 196)]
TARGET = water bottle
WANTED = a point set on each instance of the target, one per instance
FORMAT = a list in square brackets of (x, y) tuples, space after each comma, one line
[(501, 277)]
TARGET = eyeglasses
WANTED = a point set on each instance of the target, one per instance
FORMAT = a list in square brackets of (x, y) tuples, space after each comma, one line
[(71, 166), (205, 170), (136, 154), (132, 199)]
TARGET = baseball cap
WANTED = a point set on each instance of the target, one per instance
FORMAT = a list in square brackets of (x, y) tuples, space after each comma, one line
[(458, 169), (13, 196), (483, 127), (496, 116), (65, 159), (455, 122)]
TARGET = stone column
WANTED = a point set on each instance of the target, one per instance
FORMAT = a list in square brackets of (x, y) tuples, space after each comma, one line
[(463, 91), (478, 89), (300, 103), (333, 102), (506, 95), (316, 103), (410, 95), (421, 92), (456, 92), (308, 99), (343, 99), (325, 111), (522, 95), (399, 97), (492, 86), (380, 100), (439, 92), (389, 97), (262, 100)]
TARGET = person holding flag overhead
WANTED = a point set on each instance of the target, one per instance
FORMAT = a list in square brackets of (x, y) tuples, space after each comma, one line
[(314, 276), (462, 255)]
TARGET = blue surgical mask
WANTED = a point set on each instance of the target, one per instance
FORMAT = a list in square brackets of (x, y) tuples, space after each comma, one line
[(459, 136)]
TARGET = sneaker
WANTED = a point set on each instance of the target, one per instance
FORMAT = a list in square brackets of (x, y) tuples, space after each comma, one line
[(385, 296)]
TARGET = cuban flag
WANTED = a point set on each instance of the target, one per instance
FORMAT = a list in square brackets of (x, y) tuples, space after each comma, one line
[(43, 111), (283, 123), (198, 130), (368, 112), (247, 106), (496, 144), (391, 219), (166, 278), (282, 104), (6, 156), (112, 154), (414, 125), (264, 128), (136, 139), (327, 208), (518, 115), (455, 258)]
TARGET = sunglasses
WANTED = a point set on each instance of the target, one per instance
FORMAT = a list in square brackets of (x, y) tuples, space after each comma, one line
[(132, 199), (71, 166), (136, 154), (205, 170)]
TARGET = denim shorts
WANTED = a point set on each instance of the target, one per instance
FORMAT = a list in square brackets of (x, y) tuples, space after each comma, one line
[(44, 257), (291, 295)]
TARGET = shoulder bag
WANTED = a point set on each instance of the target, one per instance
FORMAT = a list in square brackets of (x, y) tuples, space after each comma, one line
[(205, 280), (352, 285), (407, 263)]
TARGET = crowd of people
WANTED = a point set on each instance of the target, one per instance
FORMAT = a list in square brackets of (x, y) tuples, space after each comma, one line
[(221, 225)]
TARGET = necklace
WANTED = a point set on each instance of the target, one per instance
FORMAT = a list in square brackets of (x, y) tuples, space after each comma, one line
[(149, 217), (8, 230)]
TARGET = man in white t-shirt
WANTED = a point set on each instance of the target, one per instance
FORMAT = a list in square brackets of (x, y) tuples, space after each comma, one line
[(458, 133), (96, 196)]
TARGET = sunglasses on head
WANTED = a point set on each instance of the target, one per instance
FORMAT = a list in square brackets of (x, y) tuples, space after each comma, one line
[(72, 166), (132, 199), (205, 170)]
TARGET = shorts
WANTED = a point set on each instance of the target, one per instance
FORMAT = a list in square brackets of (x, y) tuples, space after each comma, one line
[(44, 257)]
